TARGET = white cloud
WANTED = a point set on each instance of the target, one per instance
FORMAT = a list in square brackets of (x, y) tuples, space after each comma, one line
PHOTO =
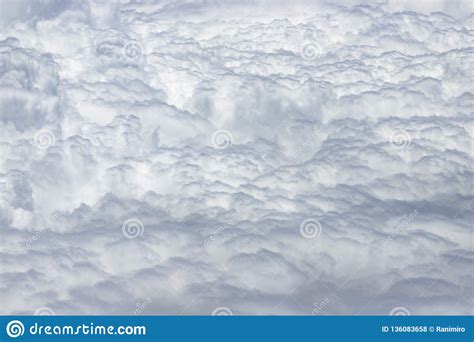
[(109, 114)]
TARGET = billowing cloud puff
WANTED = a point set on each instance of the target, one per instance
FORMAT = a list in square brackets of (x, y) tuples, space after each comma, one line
[(265, 158)]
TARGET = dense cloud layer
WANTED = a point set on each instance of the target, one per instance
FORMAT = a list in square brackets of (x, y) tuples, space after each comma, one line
[(267, 158)]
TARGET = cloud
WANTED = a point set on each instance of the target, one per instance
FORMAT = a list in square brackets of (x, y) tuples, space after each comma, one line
[(264, 158)]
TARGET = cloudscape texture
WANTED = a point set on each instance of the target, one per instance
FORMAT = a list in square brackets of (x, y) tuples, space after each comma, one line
[(225, 157)]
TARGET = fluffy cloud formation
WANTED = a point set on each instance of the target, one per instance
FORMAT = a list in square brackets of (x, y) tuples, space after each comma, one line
[(265, 158)]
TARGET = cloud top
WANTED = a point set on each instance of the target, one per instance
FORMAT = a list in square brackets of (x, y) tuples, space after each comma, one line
[(264, 158)]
